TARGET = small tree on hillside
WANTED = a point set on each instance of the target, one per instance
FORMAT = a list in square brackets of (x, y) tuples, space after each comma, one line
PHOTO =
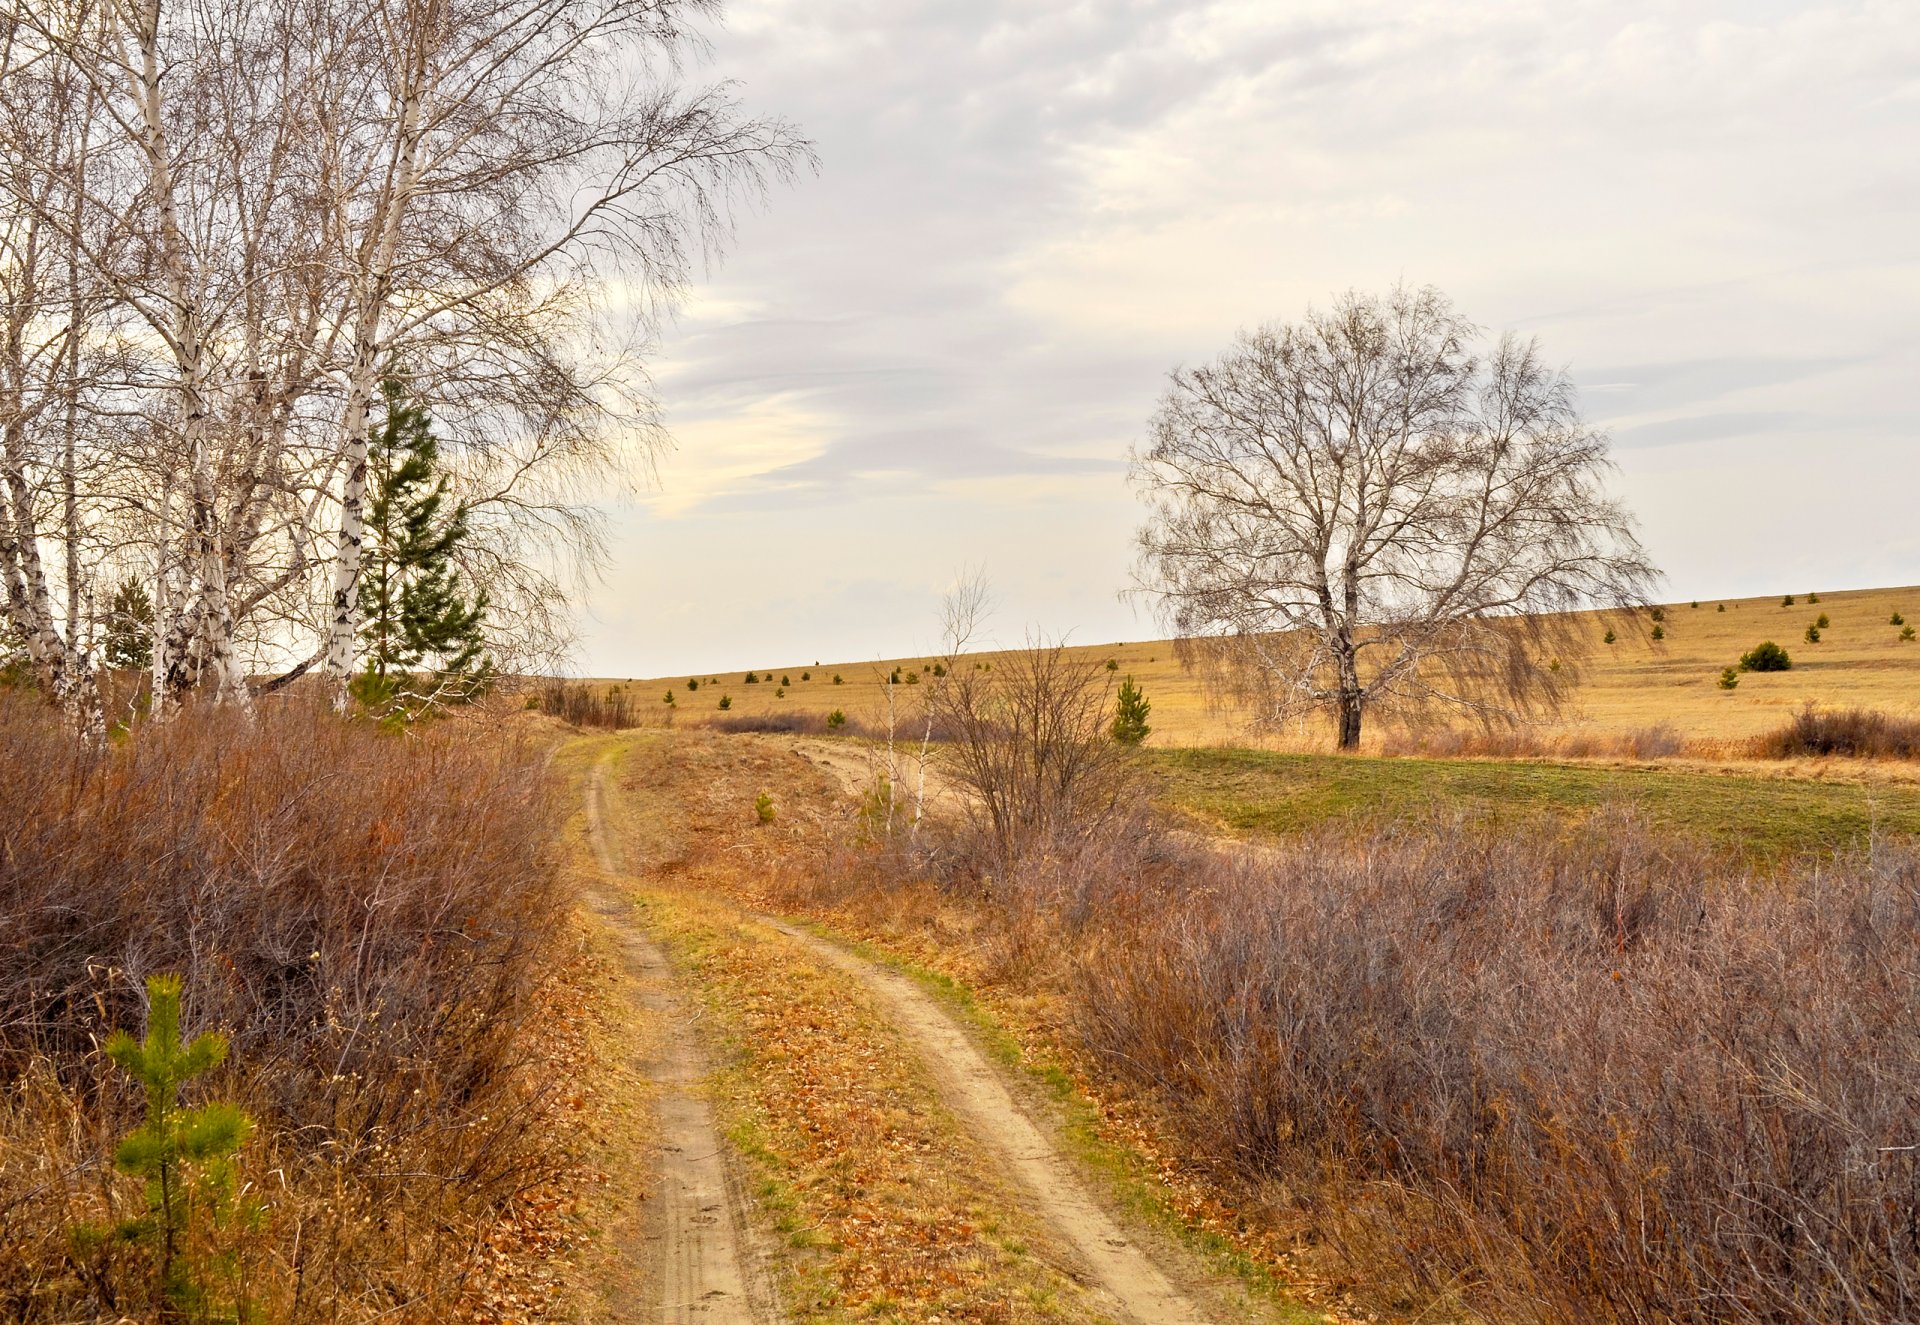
[(1361, 510), (1130, 709), (413, 605)]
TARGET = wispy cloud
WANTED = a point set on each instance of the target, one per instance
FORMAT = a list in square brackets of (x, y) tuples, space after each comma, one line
[(1028, 212)]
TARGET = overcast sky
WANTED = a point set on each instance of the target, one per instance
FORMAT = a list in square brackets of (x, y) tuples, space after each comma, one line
[(939, 350)]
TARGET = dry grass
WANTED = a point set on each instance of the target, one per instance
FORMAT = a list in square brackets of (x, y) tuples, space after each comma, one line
[(372, 921), (1635, 685)]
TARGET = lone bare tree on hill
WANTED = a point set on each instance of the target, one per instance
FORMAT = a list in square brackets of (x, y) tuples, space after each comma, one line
[(1362, 511)]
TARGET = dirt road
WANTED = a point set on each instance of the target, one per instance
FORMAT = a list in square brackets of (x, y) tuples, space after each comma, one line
[(708, 1269), (1135, 1288), (684, 806)]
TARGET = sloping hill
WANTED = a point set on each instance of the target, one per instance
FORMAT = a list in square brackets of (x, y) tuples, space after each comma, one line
[(1633, 684)]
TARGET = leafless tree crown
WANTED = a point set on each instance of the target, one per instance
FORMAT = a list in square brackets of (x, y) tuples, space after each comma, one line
[(1365, 510)]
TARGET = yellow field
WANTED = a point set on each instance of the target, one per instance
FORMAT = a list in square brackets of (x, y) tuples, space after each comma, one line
[(1633, 684)]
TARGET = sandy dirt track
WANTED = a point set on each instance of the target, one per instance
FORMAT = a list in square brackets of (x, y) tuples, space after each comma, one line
[(1134, 1287), (707, 1268)]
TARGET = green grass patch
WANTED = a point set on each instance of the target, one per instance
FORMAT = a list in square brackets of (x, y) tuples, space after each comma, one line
[(1257, 791)]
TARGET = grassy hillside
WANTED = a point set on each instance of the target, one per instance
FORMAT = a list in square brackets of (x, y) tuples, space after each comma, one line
[(1634, 683)]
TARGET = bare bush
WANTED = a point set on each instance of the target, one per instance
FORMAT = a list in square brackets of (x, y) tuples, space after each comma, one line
[(1858, 733), (797, 723), (368, 918), (1585, 1079), (1030, 749), (579, 704)]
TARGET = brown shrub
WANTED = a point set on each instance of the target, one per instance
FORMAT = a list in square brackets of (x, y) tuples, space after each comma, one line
[(800, 722), (581, 705), (366, 917), (1857, 733), (1029, 748), (1585, 1079)]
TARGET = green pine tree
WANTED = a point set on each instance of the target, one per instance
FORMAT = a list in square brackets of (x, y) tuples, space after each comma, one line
[(416, 614), (194, 1217), (129, 641), (1130, 713)]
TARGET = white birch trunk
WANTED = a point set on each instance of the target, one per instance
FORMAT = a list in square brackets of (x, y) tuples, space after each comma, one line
[(374, 288), (206, 614)]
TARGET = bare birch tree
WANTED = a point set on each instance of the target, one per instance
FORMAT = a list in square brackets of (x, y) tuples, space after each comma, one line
[(49, 314), (263, 208), (1361, 511), (503, 165)]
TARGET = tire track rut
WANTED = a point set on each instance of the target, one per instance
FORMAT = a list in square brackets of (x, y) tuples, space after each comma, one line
[(707, 1268), (1134, 1286)]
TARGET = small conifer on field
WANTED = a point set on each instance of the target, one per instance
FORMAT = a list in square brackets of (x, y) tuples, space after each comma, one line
[(1730, 678), (1696, 604), (669, 698), (836, 679), (1721, 608), (1896, 620), (939, 669), (1906, 632), (1813, 634), (1766, 657), (806, 676), (195, 1219), (726, 701), (913, 678), (1608, 638), (1823, 623), (415, 609), (1787, 601), (780, 693), (784, 680), (1659, 632), (693, 685), (763, 808), (1659, 614), (1113, 664), (1130, 711), (836, 719), (1813, 598), (753, 679)]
